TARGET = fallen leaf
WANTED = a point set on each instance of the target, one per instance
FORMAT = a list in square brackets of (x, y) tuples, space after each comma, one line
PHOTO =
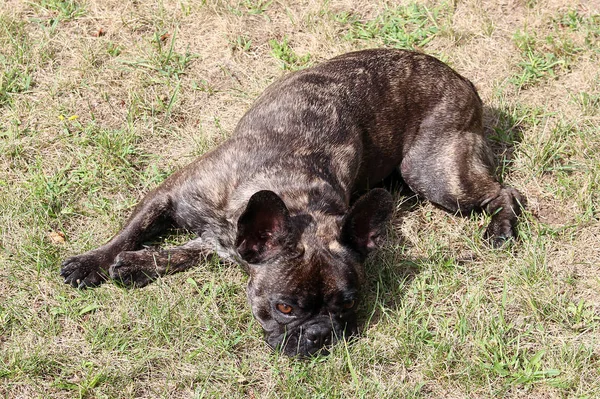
[(56, 237)]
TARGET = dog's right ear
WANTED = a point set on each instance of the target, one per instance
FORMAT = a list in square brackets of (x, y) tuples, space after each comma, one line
[(265, 228)]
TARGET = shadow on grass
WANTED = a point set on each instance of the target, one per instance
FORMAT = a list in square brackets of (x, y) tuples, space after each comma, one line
[(504, 131), (390, 274)]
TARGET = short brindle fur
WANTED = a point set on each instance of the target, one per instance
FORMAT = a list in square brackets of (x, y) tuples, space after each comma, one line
[(278, 196)]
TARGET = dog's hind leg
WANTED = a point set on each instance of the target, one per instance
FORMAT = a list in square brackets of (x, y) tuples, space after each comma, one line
[(138, 268), (150, 217), (456, 173)]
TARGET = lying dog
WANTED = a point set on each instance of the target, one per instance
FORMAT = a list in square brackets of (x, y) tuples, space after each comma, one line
[(276, 197)]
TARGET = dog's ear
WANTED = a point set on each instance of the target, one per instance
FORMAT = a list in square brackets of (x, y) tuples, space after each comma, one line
[(366, 221), (265, 228)]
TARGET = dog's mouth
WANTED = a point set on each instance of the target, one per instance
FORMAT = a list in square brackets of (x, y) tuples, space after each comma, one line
[(313, 337)]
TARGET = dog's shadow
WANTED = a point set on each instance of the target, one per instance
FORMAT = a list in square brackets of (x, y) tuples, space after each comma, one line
[(503, 129), (390, 273)]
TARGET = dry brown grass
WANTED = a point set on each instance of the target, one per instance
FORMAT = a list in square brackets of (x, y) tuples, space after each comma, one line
[(110, 109)]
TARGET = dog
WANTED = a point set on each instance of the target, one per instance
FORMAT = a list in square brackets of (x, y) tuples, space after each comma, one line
[(281, 197)]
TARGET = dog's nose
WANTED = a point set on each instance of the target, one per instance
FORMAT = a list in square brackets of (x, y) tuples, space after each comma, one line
[(318, 336)]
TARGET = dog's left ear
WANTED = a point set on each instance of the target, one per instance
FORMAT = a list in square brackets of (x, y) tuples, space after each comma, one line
[(265, 228), (366, 221)]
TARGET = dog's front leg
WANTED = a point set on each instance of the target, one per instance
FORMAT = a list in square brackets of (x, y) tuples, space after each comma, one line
[(139, 268), (150, 217)]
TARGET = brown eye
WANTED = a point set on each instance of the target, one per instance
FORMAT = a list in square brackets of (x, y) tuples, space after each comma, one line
[(349, 304), (284, 308)]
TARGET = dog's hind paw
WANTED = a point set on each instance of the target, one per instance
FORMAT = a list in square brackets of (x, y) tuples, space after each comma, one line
[(505, 209)]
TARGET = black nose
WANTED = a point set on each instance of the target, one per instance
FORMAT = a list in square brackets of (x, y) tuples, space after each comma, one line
[(317, 336)]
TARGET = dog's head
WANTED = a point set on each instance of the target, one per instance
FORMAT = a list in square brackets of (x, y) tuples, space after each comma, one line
[(304, 278)]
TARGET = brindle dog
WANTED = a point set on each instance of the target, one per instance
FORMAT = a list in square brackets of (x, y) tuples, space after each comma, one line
[(276, 197)]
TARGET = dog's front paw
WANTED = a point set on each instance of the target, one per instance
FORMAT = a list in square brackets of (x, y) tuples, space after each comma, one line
[(134, 268), (85, 270)]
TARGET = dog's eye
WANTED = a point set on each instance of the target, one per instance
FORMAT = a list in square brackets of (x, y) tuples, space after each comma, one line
[(349, 304), (284, 308)]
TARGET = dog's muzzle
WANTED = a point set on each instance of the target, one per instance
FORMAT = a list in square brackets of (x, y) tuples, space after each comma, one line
[(313, 336)]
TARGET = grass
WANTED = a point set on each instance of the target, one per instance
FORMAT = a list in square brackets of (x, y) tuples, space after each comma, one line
[(411, 26), (543, 55), (99, 102), (288, 58)]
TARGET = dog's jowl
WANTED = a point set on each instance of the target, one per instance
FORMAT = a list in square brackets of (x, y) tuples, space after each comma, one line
[(276, 197)]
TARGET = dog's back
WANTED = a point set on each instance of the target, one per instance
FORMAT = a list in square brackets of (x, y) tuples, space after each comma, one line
[(351, 119)]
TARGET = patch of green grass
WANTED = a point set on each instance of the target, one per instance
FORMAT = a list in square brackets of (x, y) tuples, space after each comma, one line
[(587, 25), (411, 26), (204, 85), (554, 150), (12, 80), (588, 102), (241, 43), (545, 55), (249, 7), (288, 58), (165, 60), (63, 9), (55, 12), (113, 49), (535, 65), (16, 68), (91, 376)]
